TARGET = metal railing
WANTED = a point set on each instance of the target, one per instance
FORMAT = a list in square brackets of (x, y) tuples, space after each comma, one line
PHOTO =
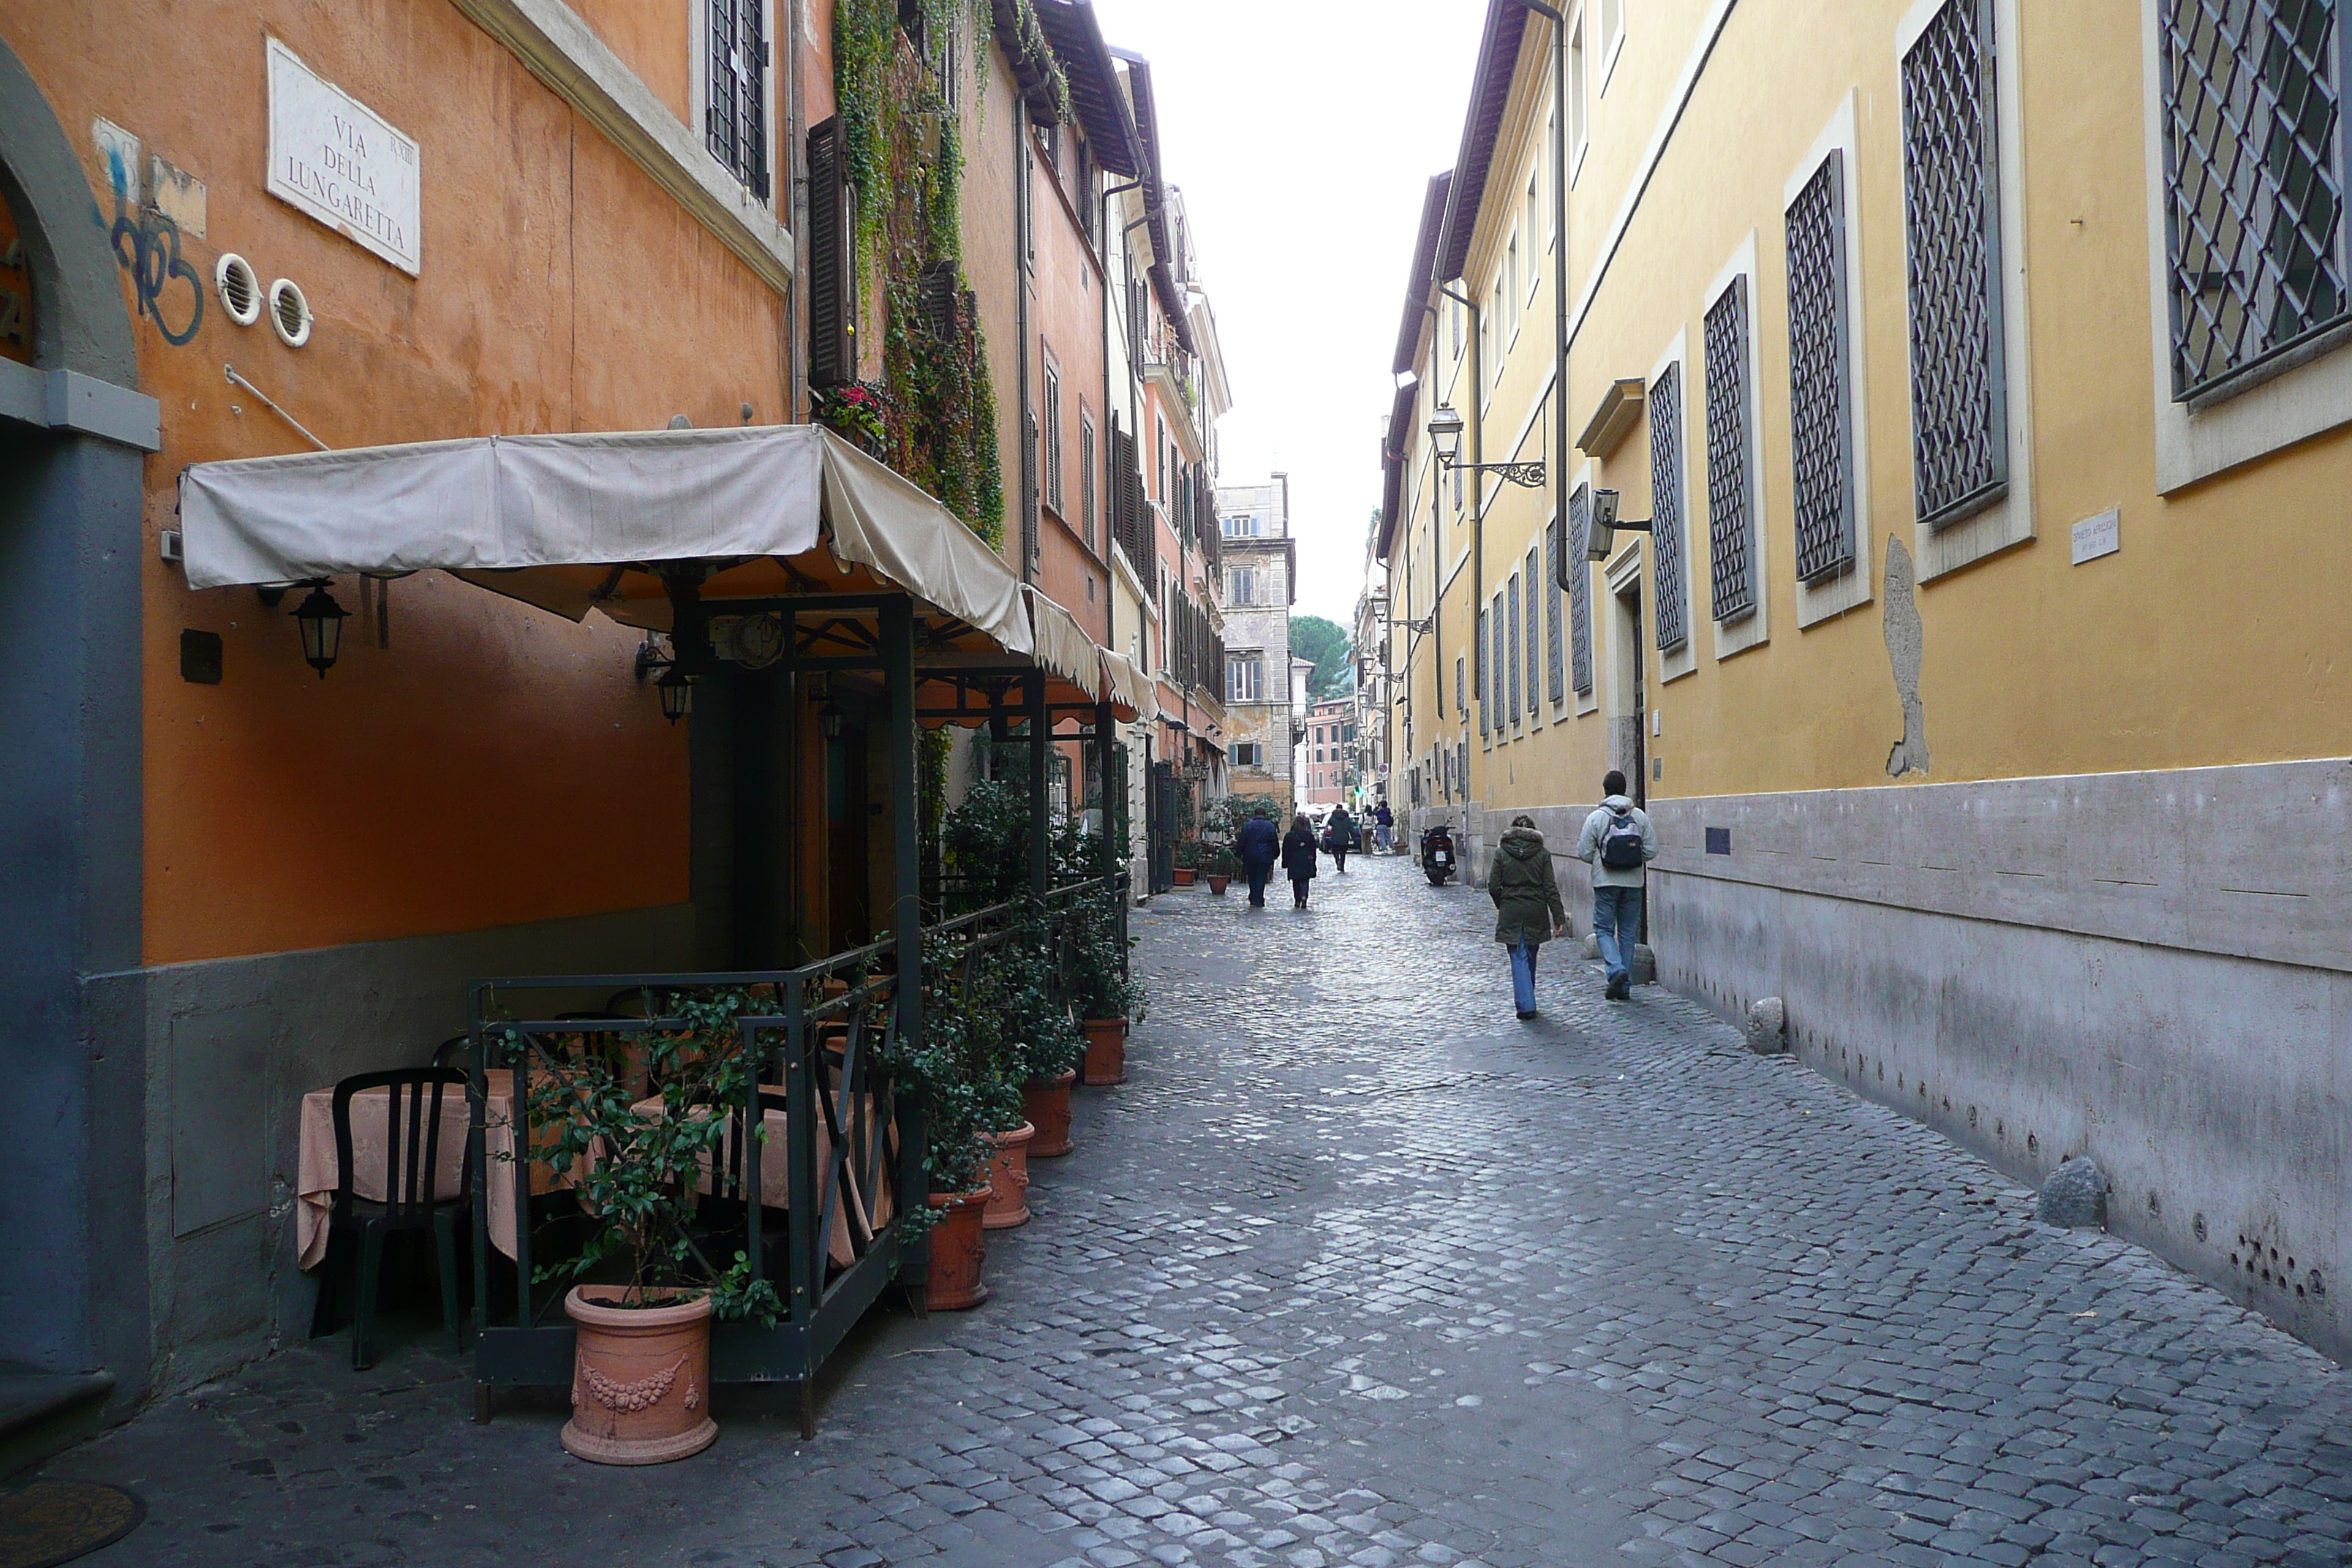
[(822, 1035)]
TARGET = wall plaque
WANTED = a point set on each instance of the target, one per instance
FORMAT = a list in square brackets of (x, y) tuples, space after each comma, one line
[(337, 160)]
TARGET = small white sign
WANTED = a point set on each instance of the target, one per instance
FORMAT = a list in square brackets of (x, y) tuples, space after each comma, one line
[(337, 160), (2097, 536)]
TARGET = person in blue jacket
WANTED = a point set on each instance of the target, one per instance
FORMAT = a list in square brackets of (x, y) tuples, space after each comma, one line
[(1259, 847)]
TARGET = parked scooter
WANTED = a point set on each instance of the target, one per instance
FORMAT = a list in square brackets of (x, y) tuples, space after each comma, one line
[(1437, 854)]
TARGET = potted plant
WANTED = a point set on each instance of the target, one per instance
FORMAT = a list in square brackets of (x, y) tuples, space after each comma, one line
[(963, 1079), (645, 1290), (1108, 998), (1189, 854), (1223, 869), (1046, 1046)]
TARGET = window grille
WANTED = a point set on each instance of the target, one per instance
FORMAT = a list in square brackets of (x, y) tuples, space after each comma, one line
[(1819, 400), (1667, 544), (735, 116), (1511, 659), (1580, 591), (1951, 189), (1730, 487), (2253, 168), (1554, 638), (1535, 638)]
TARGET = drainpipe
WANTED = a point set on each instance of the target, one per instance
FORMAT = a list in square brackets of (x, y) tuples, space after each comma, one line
[(1022, 241), (1477, 507), (1102, 515)]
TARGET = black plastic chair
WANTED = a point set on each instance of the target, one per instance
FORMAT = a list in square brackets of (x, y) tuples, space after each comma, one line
[(455, 1053), (412, 1155), (719, 1214)]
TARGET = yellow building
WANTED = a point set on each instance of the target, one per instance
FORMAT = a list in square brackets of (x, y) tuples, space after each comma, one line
[(1981, 372)]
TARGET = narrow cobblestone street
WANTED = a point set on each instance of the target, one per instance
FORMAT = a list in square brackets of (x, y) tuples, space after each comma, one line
[(1358, 1270)]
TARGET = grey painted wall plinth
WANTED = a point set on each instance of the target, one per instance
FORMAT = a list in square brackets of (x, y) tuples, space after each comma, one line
[(233, 1044)]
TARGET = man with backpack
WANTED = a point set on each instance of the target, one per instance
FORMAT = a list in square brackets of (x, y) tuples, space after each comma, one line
[(1618, 843)]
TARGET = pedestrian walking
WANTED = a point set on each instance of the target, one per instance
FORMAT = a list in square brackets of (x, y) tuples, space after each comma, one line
[(1259, 847), (1298, 857), (1383, 827), (1528, 910), (1340, 836), (1619, 844)]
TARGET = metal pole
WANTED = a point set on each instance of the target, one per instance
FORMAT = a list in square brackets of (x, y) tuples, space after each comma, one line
[(1104, 732), (897, 619), (1041, 849)]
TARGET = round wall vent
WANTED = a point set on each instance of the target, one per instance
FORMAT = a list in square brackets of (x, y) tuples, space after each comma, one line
[(240, 290), (289, 313)]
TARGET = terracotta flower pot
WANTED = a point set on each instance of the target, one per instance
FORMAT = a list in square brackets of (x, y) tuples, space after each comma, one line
[(1045, 1101), (1218, 882), (1184, 876), (1105, 1061), (958, 1247), (640, 1378), (1008, 1179)]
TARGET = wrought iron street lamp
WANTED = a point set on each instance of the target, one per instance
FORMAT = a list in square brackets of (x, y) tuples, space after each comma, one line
[(322, 620), (676, 692), (1445, 437)]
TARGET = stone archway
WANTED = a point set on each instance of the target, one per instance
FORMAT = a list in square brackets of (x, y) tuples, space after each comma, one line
[(73, 1246)]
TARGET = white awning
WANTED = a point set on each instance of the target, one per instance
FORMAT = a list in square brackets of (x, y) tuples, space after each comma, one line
[(1129, 688), (536, 518), (1063, 645)]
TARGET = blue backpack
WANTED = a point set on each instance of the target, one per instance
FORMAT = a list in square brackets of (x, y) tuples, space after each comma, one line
[(1620, 842)]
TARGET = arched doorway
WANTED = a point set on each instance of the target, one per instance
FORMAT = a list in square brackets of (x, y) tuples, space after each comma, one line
[(72, 1024)]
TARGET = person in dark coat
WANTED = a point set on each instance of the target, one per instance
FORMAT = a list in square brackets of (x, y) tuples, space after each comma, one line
[(1299, 857), (1526, 905), (1259, 846), (1340, 836)]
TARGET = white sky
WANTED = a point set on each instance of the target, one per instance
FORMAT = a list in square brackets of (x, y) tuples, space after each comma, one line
[(1303, 133)]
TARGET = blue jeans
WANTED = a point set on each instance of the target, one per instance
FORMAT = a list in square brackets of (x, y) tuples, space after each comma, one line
[(1257, 875), (1523, 975), (1617, 921)]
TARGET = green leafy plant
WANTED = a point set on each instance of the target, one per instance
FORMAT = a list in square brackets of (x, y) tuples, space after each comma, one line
[(636, 1169), (1223, 863), (963, 1072), (984, 840), (1102, 984)]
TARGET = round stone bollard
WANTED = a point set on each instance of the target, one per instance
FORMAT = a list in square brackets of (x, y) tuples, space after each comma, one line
[(1591, 945), (1645, 968), (2076, 1196), (1768, 1027)]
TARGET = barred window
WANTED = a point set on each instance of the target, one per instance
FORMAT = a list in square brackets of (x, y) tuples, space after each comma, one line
[(1951, 191), (1556, 681), (1821, 412), (735, 116), (2253, 170), (1580, 591), (1535, 644), (1511, 658), (1730, 484), (1666, 508)]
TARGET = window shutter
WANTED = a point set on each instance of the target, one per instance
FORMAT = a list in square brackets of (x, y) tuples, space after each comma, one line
[(832, 261)]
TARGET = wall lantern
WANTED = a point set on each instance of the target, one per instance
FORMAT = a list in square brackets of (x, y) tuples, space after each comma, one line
[(677, 694), (830, 716), (322, 620), (1445, 430)]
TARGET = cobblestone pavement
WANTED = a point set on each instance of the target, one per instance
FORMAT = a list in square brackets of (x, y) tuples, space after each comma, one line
[(1358, 1270)]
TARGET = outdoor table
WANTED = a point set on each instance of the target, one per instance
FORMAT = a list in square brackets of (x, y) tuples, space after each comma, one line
[(775, 1172)]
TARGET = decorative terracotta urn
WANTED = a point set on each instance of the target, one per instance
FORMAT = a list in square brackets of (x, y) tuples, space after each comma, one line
[(640, 1378), (1045, 1101), (958, 1247), (1106, 1061), (1008, 1179)]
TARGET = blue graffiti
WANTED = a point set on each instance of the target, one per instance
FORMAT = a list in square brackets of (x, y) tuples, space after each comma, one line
[(148, 246)]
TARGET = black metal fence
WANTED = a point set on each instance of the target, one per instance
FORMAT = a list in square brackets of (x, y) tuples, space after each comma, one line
[(822, 1036)]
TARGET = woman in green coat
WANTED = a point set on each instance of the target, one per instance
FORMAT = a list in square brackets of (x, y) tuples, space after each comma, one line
[(1526, 905)]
